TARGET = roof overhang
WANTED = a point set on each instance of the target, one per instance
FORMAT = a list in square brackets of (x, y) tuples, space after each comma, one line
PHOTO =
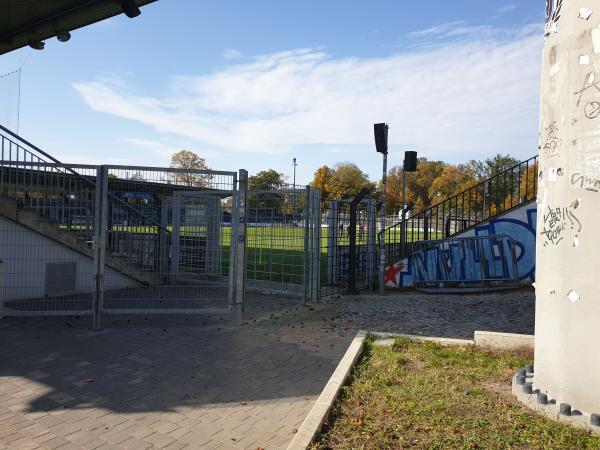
[(26, 22)]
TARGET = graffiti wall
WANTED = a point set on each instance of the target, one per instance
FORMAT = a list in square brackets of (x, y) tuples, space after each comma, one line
[(519, 224)]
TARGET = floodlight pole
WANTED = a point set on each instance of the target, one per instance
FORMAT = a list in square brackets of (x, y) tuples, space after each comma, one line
[(382, 232)]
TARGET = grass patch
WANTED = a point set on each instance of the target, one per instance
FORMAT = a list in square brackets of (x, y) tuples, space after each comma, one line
[(423, 395)]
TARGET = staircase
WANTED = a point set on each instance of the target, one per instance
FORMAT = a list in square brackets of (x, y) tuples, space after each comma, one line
[(436, 238), (56, 201)]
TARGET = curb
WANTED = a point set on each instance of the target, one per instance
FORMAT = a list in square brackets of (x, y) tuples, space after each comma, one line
[(503, 341), (412, 337), (319, 412)]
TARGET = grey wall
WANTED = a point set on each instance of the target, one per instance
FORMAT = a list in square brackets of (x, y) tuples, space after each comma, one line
[(25, 255), (567, 359)]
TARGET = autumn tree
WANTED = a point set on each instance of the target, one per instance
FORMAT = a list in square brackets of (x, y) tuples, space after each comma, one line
[(453, 180), (347, 178), (420, 182), (393, 191), (191, 163), (321, 180)]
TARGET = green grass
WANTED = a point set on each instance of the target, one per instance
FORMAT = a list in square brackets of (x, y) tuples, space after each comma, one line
[(422, 395), (273, 253)]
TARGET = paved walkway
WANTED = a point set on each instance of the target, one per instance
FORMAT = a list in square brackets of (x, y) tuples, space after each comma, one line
[(206, 382)]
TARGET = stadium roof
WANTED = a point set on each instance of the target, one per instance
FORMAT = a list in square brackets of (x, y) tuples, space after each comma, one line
[(30, 22)]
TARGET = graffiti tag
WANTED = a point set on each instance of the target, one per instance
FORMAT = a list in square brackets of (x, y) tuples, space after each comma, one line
[(553, 143), (591, 108), (556, 222), (553, 8), (583, 182)]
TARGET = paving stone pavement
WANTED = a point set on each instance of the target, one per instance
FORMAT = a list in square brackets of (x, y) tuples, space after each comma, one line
[(210, 382)]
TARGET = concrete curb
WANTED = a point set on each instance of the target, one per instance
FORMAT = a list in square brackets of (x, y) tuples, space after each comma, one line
[(503, 341), (319, 412), (437, 340)]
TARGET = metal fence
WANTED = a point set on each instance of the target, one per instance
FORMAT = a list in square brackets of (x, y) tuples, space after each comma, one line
[(283, 231), (82, 239), (349, 245), (471, 262)]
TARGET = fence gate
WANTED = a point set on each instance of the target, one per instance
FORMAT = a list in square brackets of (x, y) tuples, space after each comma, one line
[(170, 236), (283, 252)]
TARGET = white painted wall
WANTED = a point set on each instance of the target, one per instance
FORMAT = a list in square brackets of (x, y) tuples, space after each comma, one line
[(25, 253)]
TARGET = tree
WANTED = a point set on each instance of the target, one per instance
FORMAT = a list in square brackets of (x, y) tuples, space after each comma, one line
[(191, 163), (347, 178), (393, 191), (453, 180), (266, 180), (420, 182), (489, 167), (321, 179)]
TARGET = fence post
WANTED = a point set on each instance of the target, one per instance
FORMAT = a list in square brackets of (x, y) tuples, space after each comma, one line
[(306, 259), (352, 244), (101, 211), (315, 279), (240, 241), (332, 238), (371, 242)]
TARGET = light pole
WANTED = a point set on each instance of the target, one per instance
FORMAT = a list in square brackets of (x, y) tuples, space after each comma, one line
[(295, 164), (381, 145)]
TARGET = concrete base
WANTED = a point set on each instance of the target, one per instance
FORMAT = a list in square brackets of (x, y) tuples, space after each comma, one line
[(552, 408), (503, 341)]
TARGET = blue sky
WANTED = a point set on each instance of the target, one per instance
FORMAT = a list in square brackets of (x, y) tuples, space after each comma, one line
[(254, 84)]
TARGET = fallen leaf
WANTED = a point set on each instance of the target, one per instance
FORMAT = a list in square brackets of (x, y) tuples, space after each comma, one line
[(243, 402), (89, 380), (294, 430)]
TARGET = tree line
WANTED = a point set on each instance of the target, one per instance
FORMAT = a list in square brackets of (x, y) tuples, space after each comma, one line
[(432, 183)]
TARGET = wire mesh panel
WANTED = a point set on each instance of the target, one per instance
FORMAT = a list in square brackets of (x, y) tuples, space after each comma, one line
[(276, 240), (169, 232), (47, 212), (348, 236)]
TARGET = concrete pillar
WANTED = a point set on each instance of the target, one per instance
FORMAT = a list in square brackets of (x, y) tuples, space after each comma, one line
[(567, 362)]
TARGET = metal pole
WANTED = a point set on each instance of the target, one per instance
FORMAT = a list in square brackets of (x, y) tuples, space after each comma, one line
[(382, 234), (403, 217)]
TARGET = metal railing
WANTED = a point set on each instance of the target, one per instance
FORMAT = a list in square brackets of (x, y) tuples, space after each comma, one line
[(476, 261), (500, 193)]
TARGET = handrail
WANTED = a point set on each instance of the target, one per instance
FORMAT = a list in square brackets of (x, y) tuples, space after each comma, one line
[(482, 201)]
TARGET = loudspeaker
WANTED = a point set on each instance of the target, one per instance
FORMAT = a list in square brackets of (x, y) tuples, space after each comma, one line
[(130, 8), (410, 161), (381, 137)]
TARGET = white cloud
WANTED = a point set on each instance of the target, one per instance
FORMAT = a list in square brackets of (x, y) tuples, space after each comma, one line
[(476, 94)]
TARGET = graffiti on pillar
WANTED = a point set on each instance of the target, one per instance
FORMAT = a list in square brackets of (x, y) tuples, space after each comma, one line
[(556, 222), (552, 142), (553, 11), (584, 182), (591, 107)]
